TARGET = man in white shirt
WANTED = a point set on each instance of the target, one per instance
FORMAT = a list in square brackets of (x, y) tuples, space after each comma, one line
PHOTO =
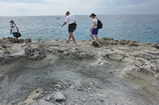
[(94, 29), (70, 19), (14, 30)]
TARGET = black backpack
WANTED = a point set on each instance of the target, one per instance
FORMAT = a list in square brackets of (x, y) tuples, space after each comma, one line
[(99, 25)]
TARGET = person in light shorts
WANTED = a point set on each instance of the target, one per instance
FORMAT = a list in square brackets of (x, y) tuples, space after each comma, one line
[(14, 30)]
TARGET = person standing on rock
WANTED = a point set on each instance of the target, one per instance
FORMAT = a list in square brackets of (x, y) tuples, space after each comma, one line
[(14, 30), (70, 19), (94, 29)]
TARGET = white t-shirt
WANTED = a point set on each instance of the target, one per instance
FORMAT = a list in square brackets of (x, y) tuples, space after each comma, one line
[(95, 21), (13, 27), (70, 19)]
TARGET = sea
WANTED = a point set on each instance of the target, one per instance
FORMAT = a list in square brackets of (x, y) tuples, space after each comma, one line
[(143, 28)]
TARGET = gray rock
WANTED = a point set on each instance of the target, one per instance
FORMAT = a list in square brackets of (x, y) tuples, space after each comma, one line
[(27, 40), (124, 42), (115, 56), (21, 40), (41, 102), (135, 44), (61, 40), (86, 55), (11, 40), (112, 78), (6, 45), (108, 39), (1, 41), (157, 76), (35, 53), (49, 97), (27, 51), (59, 96), (6, 52)]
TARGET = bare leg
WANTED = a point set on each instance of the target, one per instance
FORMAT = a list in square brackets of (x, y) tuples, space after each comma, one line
[(97, 38), (69, 37), (72, 36), (92, 37), (16, 40)]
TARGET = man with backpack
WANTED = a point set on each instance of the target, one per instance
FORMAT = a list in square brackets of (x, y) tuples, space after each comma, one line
[(96, 26)]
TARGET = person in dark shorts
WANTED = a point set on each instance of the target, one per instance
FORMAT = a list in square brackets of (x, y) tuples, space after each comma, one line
[(94, 29), (70, 19), (14, 30)]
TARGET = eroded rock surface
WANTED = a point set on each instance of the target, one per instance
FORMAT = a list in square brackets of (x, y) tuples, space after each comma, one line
[(56, 72)]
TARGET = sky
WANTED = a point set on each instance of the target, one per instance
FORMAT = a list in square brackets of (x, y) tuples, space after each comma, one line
[(77, 7)]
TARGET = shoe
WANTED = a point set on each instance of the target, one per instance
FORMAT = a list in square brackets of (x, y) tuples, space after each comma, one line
[(93, 42), (15, 42), (67, 41), (96, 44)]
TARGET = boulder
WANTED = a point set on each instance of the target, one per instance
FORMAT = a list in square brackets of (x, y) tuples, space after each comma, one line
[(59, 96)]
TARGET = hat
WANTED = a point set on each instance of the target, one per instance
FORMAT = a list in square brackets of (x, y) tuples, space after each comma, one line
[(11, 21), (92, 15)]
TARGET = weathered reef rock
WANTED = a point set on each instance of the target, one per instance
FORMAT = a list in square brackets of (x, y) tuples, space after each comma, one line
[(35, 53), (42, 102), (57, 72), (59, 96)]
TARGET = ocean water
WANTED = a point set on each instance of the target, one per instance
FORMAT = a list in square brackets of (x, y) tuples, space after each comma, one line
[(143, 28)]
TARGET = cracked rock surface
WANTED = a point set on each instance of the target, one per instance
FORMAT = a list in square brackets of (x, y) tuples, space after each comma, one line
[(56, 72)]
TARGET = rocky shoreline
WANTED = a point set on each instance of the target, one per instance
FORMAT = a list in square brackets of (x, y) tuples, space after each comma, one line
[(57, 72)]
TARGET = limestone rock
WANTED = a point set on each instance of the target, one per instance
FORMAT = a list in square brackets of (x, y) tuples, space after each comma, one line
[(27, 40), (42, 102), (59, 96), (107, 39), (115, 56), (11, 40), (135, 44), (118, 72), (156, 45), (124, 42), (35, 53)]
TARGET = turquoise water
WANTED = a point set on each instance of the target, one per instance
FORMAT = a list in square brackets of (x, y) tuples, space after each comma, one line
[(144, 28)]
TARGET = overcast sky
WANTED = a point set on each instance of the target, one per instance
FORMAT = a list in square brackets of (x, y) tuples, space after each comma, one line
[(77, 7)]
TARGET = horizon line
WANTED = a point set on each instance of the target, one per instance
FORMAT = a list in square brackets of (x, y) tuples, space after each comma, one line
[(75, 15)]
